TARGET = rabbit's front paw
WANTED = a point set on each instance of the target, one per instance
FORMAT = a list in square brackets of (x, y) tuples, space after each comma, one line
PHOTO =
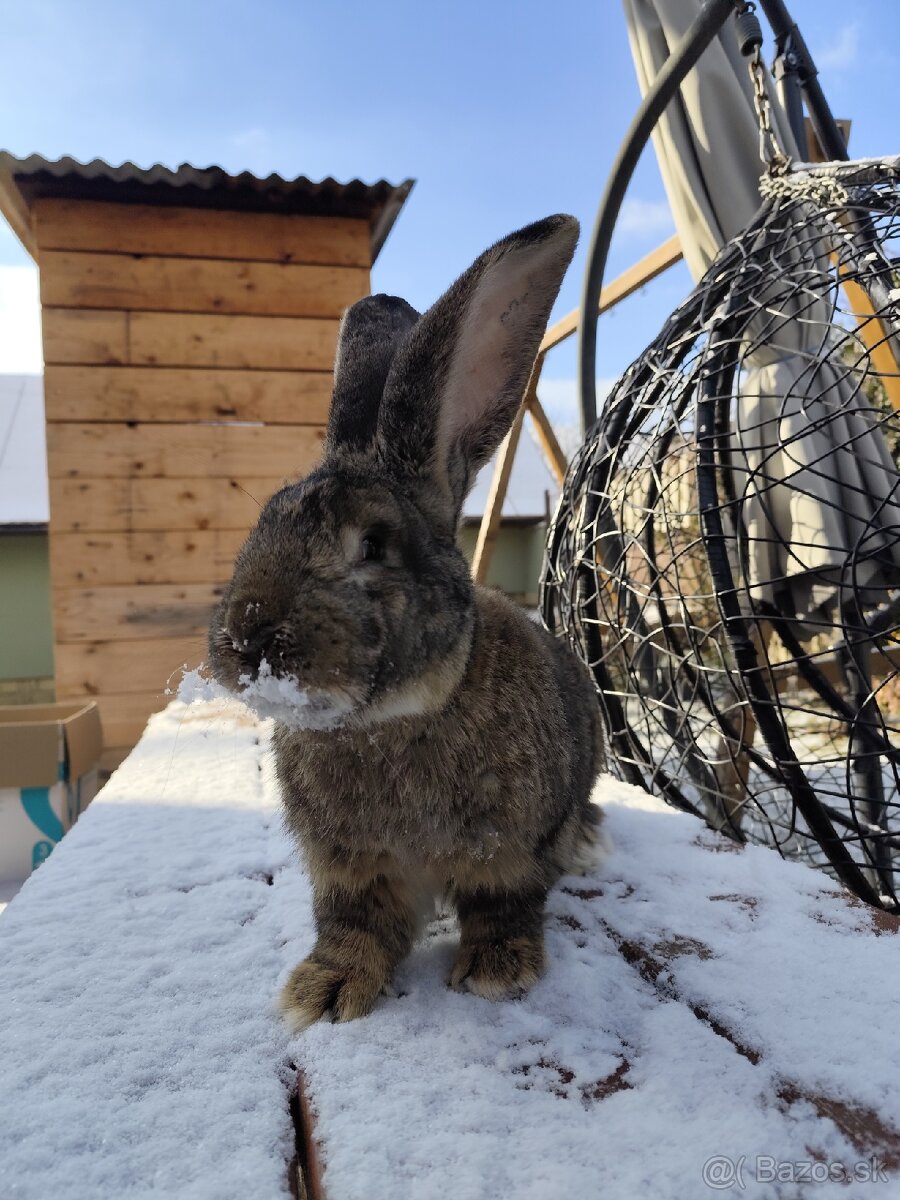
[(498, 970), (315, 988)]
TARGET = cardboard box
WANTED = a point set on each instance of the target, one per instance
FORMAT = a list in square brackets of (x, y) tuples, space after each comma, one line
[(49, 754)]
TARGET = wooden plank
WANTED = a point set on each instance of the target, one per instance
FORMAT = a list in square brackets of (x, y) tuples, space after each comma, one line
[(177, 451), (92, 668), (112, 758), (99, 336), (82, 280), (553, 452), (97, 559), (200, 233), (124, 716), (146, 612), (493, 511), (629, 281), (275, 343), (107, 505), (172, 394), (873, 333), (73, 335)]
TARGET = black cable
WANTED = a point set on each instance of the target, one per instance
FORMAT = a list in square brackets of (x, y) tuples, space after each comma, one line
[(682, 59)]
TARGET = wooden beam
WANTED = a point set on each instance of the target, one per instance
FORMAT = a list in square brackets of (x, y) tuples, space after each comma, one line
[(629, 281), (144, 612), (552, 450), (99, 336), (204, 233), (163, 556), (118, 338), (124, 716), (203, 285), (185, 394), (493, 511), (233, 502), (92, 668), (875, 337), (101, 451)]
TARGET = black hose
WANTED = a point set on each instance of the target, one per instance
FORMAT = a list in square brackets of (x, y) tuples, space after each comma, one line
[(684, 56)]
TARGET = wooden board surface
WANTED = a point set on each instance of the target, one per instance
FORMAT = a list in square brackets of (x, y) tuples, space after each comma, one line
[(208, 233), (83, 280), (176, 451), (99, 336), (123, 717), (118, 338), (152, 504), (173, 394), (163, 556), (133, 612), (92, 668)]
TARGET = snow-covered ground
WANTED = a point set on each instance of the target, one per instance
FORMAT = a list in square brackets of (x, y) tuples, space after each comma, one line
[(702, 1003)]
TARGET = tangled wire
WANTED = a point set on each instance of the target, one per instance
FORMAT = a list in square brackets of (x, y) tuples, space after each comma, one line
[(725, 555)]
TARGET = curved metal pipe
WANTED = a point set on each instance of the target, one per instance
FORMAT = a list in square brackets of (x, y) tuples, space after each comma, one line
[(686, 53)]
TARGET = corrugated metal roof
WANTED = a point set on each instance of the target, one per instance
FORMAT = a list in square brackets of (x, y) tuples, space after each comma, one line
[(23, 180)]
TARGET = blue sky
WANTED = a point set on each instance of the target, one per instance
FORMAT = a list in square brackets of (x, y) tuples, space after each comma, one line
[(503, 113)]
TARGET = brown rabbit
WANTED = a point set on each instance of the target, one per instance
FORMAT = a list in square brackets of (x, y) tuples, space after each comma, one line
[(446, 743)]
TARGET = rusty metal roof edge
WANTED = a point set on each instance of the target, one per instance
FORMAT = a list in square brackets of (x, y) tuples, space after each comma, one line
[(385, 199)]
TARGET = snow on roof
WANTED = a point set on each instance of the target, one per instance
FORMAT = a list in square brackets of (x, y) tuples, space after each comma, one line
[(530, 484), (142, 1055), (24, 498)]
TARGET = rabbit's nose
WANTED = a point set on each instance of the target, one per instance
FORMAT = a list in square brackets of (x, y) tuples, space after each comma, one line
[(251, 633)]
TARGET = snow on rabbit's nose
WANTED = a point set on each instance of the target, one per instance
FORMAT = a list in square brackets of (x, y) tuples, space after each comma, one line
[(250, 629)]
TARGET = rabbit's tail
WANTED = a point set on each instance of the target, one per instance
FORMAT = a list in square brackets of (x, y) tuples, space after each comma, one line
[(584, 843)]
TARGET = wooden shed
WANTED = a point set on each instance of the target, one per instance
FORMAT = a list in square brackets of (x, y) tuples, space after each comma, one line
[(189, 326)]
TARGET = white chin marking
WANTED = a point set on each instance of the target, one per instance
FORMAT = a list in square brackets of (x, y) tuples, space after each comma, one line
[(411, 700)]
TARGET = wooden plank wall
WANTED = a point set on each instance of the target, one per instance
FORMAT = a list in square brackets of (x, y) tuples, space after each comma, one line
[(188, 361)]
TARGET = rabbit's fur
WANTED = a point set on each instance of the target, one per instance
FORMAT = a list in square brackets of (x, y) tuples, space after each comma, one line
[(451, 744)]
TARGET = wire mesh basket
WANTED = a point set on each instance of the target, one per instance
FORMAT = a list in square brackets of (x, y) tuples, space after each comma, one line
[(725, 555)]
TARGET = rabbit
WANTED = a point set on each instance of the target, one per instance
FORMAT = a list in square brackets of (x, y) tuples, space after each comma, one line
[(448, 744)]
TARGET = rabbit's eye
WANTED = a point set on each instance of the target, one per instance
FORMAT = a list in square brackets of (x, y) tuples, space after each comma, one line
[(372, 548)]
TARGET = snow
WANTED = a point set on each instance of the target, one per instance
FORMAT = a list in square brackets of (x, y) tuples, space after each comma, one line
[(143, 1055), (268, 696), (9, 888)]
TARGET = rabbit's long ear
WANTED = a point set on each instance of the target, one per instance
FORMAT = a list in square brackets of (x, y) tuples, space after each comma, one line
[(456, 381), (370, 334)]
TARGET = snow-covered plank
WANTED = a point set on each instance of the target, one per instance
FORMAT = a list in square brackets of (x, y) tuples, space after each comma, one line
[(771, 954), (140, 1052), (697, 1004)]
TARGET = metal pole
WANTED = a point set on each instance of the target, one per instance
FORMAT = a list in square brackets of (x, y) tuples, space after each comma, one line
[(686, 53), (797, 60)]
